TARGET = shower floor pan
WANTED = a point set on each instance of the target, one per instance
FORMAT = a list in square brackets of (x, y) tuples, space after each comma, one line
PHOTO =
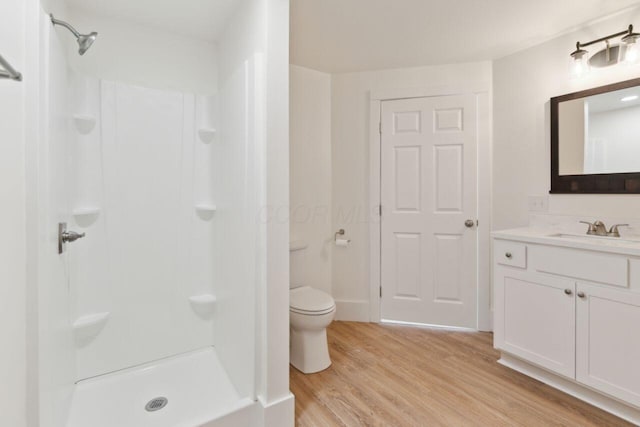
[(197, 390)]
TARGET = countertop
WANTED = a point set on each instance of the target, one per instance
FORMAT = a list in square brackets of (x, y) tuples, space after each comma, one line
[(549, 236)]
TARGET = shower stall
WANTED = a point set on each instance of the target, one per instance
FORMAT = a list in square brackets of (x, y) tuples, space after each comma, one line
[(157, 304)]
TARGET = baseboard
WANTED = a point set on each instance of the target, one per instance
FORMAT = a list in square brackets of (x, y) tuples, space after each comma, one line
[(280, 413), (352, 311), (579, 391)]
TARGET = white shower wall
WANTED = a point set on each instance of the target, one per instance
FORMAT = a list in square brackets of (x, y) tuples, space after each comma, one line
[(171, 191), (56, 350), (141, 192)]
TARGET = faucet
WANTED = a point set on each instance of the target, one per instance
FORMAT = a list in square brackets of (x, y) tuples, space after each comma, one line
[(599, 229)]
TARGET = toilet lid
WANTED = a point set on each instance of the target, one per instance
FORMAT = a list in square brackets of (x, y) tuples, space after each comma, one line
[(310, 300)]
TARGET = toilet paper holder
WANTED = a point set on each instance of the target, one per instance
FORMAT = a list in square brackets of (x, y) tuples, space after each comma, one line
[(340, 242)]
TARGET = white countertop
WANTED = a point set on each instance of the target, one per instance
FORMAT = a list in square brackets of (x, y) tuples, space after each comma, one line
[(550, 236)]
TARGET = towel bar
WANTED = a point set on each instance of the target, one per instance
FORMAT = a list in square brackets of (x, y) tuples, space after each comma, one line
[(9, 72)]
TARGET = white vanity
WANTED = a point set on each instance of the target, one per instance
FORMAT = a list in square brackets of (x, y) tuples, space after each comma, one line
[(567, 312)]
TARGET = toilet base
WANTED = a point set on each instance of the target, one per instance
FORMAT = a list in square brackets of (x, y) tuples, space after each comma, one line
[(309, 351)]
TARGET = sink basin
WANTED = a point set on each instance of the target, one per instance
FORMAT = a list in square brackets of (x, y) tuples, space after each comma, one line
[(589, 237)]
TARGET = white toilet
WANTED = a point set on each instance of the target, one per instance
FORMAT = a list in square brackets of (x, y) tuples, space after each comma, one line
[(310, 312)]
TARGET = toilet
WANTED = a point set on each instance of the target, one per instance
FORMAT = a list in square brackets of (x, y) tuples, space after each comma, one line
[(310, 312)]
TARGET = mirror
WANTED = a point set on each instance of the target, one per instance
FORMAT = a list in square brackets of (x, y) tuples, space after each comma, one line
[(595, 140)]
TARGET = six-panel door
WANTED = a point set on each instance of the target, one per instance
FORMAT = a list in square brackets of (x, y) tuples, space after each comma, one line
[(428, 194)]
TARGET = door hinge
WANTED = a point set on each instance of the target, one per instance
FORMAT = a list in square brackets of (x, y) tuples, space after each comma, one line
[(477, 223), (380, 291), (380, 210), (380, 128)]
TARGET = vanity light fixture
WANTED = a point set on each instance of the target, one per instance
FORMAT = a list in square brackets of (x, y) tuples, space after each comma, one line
[(629, 98), (627, 51)]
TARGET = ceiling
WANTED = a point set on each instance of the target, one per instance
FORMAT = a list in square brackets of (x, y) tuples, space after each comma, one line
[(358, 35), (613, 100), (201, 19)]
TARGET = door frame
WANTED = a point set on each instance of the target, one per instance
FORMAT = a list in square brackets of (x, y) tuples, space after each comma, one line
[(484, 154)]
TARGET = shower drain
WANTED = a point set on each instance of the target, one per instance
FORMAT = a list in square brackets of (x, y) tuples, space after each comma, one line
[(156, 404)]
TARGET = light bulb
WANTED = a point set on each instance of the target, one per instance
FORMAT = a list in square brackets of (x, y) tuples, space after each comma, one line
[(579, 64), (631, 53)]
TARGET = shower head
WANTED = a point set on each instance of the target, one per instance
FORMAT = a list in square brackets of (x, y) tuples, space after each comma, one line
[(84, 40)]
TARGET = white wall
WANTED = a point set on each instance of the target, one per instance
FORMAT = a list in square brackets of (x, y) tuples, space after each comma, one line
[(523, 84), (12, 215), (258, 37), (350, 159), (572, 134), (613, 145), (273, 386), (310, 176), (132, 53)]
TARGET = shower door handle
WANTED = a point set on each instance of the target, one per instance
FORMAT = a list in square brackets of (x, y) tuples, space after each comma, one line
[(65, 236)]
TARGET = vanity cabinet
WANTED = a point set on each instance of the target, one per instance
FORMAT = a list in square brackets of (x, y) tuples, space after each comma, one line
[(537, 320), (570, 317), (608, 341)]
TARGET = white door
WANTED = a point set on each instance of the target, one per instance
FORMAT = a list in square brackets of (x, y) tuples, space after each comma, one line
[(428, 192), (607, 344)]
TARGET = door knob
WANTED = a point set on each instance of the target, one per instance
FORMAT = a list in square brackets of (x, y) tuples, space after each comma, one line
[(581, 294), (469, 223), (65, 236), (568, 291)]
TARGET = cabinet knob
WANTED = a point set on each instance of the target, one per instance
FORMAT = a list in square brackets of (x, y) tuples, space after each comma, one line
[(568, 291), (508, 255), (581, 294)]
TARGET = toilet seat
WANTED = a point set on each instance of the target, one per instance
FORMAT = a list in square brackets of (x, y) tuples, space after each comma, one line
[(312, 313), (311, 302)]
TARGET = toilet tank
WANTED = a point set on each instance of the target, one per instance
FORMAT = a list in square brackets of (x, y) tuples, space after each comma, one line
[(297, 260)]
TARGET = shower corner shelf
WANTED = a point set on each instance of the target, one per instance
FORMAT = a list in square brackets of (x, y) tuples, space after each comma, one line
[(84, 123), (205, 211), (203, 305), (86, 211), (206, 134), (206, 207), (89, 326)]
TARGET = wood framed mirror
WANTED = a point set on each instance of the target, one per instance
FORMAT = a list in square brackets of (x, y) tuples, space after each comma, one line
[(595, 140)]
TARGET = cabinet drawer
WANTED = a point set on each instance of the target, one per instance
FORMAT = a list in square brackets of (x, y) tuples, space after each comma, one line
[(510, 253), (609, 269)]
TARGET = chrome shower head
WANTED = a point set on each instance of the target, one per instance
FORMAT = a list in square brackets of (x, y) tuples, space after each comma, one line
[(84, 40)]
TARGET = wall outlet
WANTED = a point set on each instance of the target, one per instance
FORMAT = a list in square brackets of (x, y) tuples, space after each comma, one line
[(538, 203)]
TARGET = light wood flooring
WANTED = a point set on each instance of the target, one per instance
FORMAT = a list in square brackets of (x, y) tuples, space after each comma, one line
[(385, 375)]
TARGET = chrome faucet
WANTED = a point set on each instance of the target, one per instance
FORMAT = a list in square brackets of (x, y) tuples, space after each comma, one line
[(613, 231), (596, 229), (599, 229)]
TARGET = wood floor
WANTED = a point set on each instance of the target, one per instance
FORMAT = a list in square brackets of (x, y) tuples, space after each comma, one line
[(386, 375)]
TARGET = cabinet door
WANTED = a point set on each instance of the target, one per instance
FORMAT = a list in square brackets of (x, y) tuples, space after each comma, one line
[(535, 319), (608, 341)]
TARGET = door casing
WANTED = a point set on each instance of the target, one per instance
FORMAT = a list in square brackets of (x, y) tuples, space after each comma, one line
[(483, 102)]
